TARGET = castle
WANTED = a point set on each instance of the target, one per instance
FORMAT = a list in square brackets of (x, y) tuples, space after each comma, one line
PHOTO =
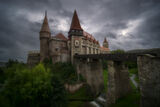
[(62, 49)]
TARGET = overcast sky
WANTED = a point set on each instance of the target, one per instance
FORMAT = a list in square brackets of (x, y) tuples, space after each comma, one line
[(127, 24)]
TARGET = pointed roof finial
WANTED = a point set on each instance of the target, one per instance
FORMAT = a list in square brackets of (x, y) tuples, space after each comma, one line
[(45, 25), (46, 13), (75, 24)]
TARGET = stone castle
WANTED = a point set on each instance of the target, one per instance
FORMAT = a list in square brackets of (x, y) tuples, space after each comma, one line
[(62, 49)]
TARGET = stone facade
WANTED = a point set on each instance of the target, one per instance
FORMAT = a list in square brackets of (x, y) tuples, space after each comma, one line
[(62, 49), (149, 77)]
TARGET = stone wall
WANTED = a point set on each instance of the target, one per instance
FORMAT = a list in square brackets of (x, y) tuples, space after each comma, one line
[(92, 71), (149, 77), (118, 81)]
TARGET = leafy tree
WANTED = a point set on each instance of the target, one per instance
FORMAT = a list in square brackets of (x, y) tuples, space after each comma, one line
[(118, 51), (35, 87), (12, 62)]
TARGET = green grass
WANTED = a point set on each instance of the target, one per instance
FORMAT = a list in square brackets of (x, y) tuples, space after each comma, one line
[(133, 71), (136, 79), (105, 77), (131, 100)]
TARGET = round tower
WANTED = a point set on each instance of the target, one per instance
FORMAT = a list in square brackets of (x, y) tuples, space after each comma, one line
[(45, 35)]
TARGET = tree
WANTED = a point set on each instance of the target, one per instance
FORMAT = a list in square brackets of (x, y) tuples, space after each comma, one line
[(118, 51), (35, 87)]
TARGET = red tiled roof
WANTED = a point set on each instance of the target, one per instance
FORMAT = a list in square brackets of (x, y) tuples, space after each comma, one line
[(75, 22), (105, 49), (89, 36), (60, 36)]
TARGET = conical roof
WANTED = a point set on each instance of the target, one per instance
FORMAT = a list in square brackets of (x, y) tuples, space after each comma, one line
[(75, 22), (45, 25)]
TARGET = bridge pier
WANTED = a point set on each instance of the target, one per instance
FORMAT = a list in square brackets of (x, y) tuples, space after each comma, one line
[(118, 81), (92, 71), (149, 77)]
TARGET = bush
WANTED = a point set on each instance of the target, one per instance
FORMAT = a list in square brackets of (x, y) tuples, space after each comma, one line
[(65, 71)]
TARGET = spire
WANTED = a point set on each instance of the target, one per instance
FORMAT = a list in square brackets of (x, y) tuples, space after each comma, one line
[(75, 22), (105, 40), (45, 26)]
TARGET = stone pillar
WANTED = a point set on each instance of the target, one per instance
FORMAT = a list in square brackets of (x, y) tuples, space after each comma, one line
[(118, 81), (95, 75), (149, 77), (92, 71)]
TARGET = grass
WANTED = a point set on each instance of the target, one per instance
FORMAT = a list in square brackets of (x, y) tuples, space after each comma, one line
[(131, 100), (136, 79), (133, 71), (80, 95)]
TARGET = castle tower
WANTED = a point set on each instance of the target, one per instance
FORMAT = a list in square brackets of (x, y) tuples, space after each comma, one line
[(45, 35), (75, 34), (105, 43)]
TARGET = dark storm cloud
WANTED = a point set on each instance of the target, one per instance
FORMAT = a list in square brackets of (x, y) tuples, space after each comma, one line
[(127, 24)]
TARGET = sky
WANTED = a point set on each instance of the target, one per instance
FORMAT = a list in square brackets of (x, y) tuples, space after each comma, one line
[(127, 24)]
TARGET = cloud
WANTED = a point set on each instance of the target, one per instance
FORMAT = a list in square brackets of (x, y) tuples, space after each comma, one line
[(127, 24)]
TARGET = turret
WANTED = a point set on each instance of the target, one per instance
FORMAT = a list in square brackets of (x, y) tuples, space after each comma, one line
[(105, 43), (75, 28), (45, 35)]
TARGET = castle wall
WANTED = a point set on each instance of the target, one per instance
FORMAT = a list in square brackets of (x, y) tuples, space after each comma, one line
[(58, 51)]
